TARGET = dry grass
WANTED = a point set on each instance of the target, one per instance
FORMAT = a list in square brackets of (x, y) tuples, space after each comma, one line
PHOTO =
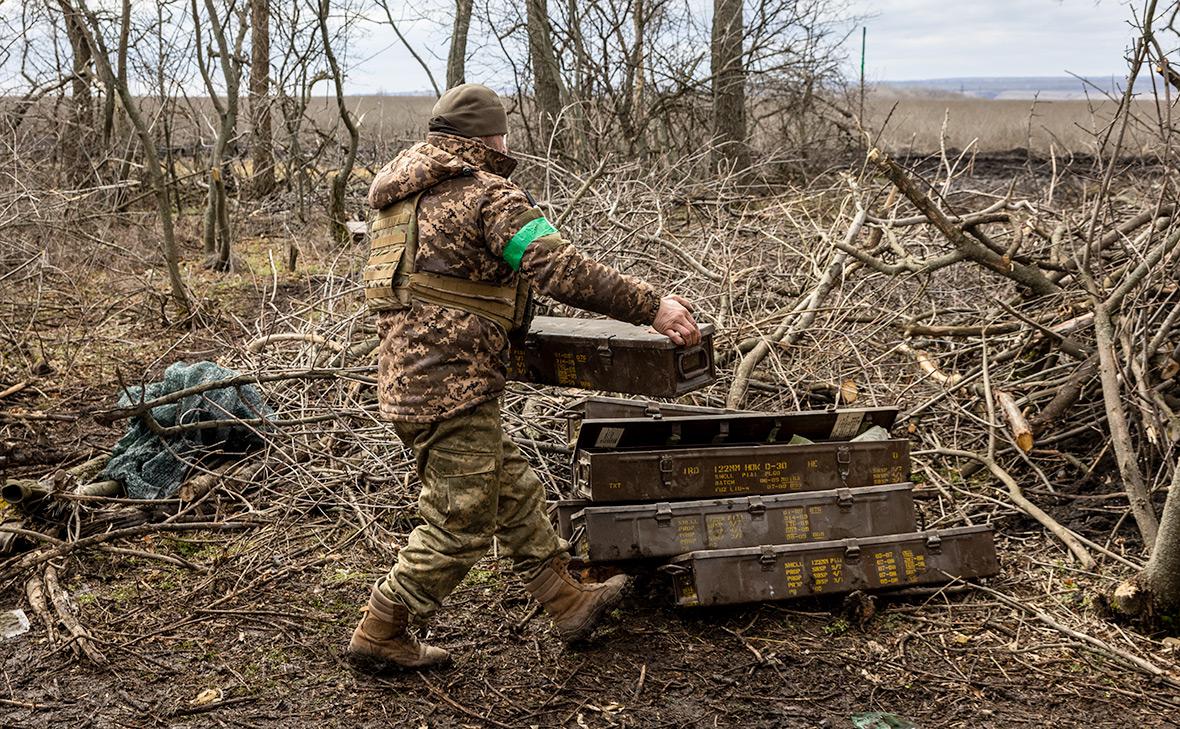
[(916, 125), (907, 125)]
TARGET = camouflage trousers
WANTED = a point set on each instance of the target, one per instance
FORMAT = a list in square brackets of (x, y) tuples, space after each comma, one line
[(476, 485)]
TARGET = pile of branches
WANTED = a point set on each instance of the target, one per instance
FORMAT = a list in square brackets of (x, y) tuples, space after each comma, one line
[(1046, 339), (1029, 339)]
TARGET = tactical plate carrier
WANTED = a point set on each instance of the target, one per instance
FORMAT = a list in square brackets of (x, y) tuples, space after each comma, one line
[(392, 281)]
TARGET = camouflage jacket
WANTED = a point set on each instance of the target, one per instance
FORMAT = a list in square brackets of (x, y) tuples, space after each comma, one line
[(436, 361)]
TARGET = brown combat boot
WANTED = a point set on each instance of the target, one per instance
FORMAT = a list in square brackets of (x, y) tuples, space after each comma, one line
[(382, 639), (574, 607)]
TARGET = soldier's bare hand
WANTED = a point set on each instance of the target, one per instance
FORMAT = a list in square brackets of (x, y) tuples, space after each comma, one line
[(674, 320)]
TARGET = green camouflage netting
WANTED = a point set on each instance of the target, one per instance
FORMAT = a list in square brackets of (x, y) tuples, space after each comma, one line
[(151, 467)]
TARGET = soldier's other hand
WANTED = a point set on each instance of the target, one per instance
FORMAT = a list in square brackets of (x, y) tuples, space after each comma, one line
[(674, 320)]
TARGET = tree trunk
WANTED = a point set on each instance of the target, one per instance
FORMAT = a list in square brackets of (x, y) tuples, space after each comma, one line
[(217, 233), (74, 157), (457, 58), (1153, 595), (337, 207), (546, 77), (152, 169), (261, 142), (729, 87)]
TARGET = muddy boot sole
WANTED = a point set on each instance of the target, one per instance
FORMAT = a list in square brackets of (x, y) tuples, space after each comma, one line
[(369, 663)]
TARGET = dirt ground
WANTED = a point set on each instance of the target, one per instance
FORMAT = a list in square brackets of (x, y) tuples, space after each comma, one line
[(273, 657), (243, 623)]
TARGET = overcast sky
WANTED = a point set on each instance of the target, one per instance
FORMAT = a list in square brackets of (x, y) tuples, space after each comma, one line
[(922, 39), (907, 39)]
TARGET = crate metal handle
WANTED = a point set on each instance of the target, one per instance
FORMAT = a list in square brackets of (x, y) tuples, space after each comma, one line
[(934, 543), (663, 514), (604, 350), (699, 367)]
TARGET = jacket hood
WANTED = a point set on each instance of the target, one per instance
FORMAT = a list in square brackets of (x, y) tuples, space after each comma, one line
[(439, 158)]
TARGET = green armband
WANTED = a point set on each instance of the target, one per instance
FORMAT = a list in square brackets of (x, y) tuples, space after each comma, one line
[(532, 230)]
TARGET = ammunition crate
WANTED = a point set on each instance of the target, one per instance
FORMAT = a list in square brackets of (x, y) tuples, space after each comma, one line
[(782, 572), (561, 514), (639, 531), (701, 473), (601, 354), (735, 454)]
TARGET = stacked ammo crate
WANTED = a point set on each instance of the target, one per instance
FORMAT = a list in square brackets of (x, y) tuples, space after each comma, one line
[(745, 507)]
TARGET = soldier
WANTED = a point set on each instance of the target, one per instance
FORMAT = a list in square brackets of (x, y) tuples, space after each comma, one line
[(456, 248)]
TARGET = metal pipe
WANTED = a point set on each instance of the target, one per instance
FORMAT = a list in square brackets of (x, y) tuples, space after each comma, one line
[(17, 492)]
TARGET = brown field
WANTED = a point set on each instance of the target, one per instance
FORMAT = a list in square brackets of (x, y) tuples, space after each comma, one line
[(905, 125), (1063, 128)]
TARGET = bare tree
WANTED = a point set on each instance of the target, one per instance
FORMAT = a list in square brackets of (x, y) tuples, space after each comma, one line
[(261, 139), (457, 57), (337, 204), (729, 86), (218, 234), (74, 147), (93, 33), (547, 91)]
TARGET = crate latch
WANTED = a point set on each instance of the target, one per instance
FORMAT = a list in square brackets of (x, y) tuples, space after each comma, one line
[(757, 507), (934, 543), (768, 559), (663, 514), (666, 467), (845, 499), (604, 351), (851, 551), (843, 459)]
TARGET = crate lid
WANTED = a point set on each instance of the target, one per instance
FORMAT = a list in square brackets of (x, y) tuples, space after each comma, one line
[(732, 428), (617, 333), (864, 543), (602, 406), (744, 503)]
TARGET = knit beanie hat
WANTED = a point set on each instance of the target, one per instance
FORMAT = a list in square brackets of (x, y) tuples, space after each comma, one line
[(469, 110)]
